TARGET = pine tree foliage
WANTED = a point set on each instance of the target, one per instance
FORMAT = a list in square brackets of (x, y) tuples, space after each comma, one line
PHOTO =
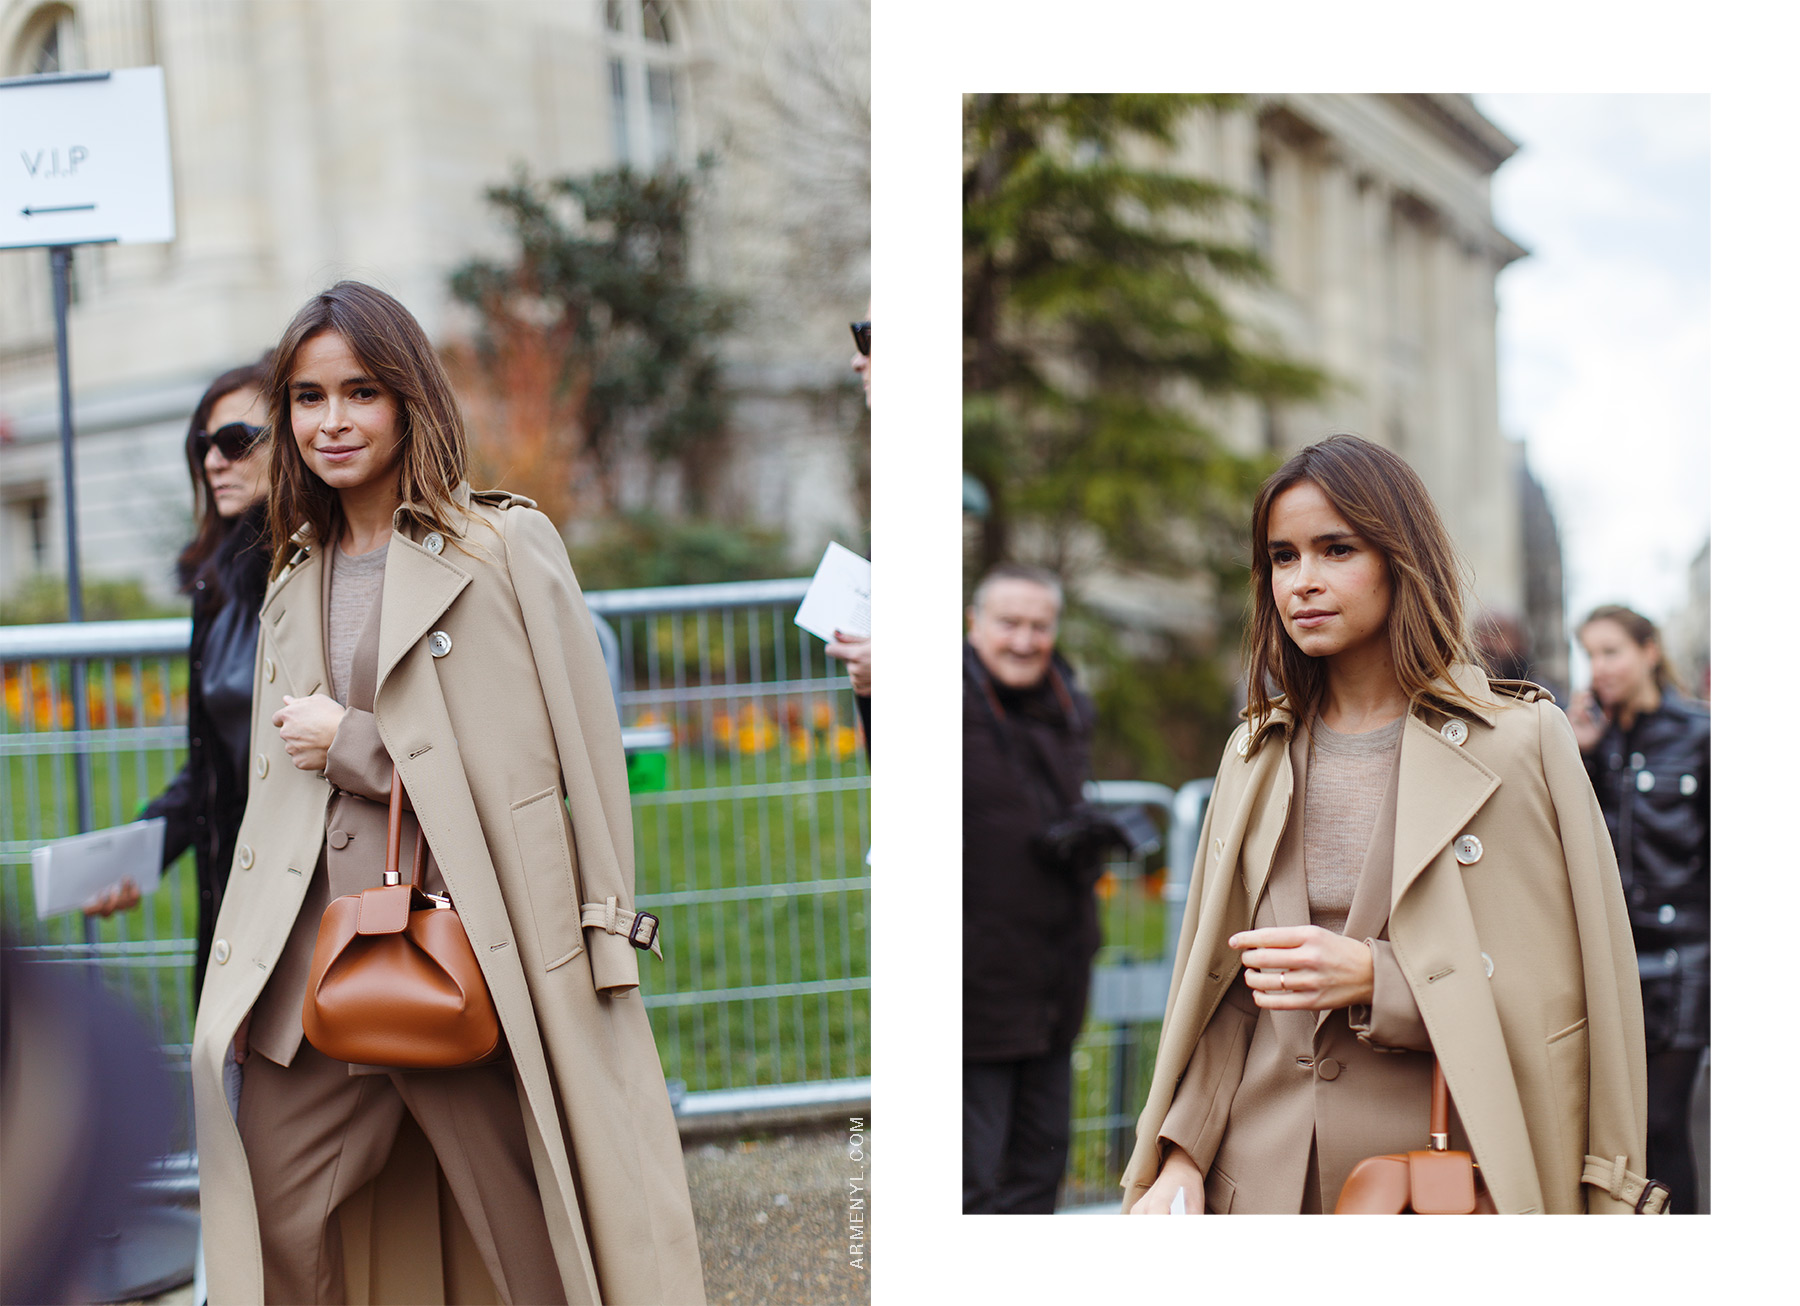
[(602, 262), (1101, 341), (1094, 317)]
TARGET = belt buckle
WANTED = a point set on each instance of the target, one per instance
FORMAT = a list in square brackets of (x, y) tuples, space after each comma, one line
[(637, 936), (1644, 1197)]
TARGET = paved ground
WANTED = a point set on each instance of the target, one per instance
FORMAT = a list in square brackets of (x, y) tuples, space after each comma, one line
[(774, 1216)]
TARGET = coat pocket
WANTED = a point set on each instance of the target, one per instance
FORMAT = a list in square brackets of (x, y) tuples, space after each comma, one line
[(1221, 1191), (1567, 1050), (540, 826)]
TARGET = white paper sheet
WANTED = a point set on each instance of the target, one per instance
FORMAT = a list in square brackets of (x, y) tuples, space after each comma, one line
[(838, 598), (68, 872)]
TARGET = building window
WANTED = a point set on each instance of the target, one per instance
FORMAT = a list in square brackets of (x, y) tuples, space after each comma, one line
[(51, 43), (644, 71)]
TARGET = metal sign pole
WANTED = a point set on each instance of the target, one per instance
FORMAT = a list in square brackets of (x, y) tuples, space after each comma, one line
[(61, 257)]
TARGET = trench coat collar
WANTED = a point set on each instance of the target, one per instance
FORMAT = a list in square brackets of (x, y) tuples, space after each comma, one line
[(1444, 699)]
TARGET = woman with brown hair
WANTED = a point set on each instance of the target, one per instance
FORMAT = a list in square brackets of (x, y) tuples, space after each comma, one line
[(224, 568), (417, 632), (1648, 749), (1401, 860)]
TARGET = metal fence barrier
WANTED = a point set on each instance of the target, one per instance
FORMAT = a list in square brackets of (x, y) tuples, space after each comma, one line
[(1141, 902), (750, 795)]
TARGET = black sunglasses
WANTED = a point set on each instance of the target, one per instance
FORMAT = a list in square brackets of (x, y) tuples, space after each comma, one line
[(859, 331), (233, 440)]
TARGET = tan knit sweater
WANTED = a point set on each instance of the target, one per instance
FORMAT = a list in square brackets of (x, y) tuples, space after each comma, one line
[(1345, 778)]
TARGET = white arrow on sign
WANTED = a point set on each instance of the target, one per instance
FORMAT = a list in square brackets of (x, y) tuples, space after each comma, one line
[(84, 158)]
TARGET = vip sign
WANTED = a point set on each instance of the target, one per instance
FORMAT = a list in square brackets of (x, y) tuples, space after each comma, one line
[(84, 158)]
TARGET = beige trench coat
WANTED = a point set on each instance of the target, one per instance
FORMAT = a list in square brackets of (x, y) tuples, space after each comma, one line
[(489, 737), (1545, 1055)]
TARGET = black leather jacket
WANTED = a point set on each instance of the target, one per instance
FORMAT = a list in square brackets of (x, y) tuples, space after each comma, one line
[(1654, 783), (204, 804)]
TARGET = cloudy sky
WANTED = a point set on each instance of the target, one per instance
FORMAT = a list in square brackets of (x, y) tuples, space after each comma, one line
[(1604, 333)]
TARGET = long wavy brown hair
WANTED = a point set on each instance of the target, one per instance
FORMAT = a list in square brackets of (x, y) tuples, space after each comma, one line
[(1386, 503), (434, 446)]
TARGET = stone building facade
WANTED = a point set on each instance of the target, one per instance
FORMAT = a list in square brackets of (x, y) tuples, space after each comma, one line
[(320, 139), (1378, 226)]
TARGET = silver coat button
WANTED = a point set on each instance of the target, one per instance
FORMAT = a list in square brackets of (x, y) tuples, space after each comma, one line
[(1455, 731), (439, 643), (1243, 745), (245, 856), (262, 765), (268, 668), (1468, 850), (1689, 786), (221, 951), (1489, 963), (1645, 782), (433, 543)]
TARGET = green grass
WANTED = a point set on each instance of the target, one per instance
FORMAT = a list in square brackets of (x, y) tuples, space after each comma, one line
[(773, 844)]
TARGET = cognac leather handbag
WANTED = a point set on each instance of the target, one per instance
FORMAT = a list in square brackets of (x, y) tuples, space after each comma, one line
[(1435, 1181), (394, 980)]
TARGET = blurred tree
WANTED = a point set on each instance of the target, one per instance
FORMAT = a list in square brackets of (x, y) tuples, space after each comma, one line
[(600, 281), (1097, 337)]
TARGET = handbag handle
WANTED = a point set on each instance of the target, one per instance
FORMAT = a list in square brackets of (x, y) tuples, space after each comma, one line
[(1440, 1107), (390, 873)]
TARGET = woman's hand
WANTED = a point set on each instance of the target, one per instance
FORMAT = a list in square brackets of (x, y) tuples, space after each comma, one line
[(1587, 721), (1305, 968), (855, 651), (123, 896), (1178, 1171), (308, 726)]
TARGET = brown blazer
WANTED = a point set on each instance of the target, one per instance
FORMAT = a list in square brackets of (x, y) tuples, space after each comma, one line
[(510, 749), (1519, 961)]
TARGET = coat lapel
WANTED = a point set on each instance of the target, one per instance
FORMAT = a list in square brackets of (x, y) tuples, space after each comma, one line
[(290, 616), (1441, 786), (416, 590)]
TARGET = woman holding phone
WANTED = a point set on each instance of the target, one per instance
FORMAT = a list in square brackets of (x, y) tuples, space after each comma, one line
[(1401, 860), (416, 629), (1648, 749)]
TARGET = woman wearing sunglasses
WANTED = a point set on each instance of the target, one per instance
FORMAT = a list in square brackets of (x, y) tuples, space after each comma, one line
[(1401, 863), (225, 568), (421, 636)]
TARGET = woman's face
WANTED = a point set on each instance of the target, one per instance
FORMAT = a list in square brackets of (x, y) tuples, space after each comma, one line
[(1329, 584), (346, 423), (237, 486), (1623, 669)]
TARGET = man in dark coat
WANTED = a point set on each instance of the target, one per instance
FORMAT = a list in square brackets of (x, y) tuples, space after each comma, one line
[(1030, 926)]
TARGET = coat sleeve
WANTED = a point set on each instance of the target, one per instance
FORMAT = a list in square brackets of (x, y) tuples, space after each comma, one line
[(1614, 1162), (578, 696), (358, 762), (176, 807), (1391, 1022)]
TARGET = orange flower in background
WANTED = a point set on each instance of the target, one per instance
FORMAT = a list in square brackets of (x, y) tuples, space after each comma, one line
[(822, 714), (1106, 886)]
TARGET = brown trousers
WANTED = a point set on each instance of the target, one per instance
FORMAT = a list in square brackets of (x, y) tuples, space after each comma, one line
[(315, 1134)]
